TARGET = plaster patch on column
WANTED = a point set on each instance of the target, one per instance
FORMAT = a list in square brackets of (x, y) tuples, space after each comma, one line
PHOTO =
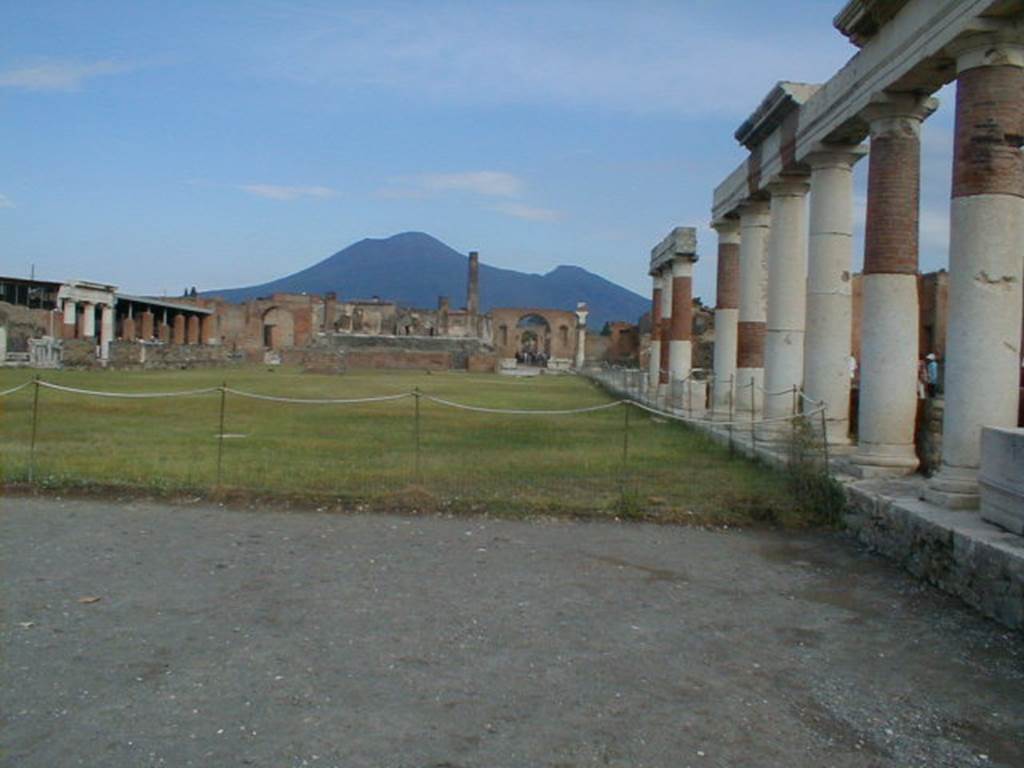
[(983, 278)]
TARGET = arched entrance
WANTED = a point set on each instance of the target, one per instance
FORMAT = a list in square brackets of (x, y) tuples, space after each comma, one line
[(533, 335), (278, 329)]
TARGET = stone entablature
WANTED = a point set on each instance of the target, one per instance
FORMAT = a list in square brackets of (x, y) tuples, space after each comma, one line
[(681, 241), (860, 20)]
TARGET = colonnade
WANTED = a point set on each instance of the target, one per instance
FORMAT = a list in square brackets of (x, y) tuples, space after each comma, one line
[(784, 310), (171, 326)]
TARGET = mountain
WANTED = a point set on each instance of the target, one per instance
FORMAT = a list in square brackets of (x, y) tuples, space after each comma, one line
[(414, 268)]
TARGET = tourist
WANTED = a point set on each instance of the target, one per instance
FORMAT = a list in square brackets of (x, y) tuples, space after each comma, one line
[(932, 374)]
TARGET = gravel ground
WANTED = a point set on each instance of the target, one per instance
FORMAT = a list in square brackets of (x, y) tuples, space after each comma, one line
[(263, 638)]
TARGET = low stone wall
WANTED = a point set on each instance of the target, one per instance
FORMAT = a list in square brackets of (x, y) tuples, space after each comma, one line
[(137, 354), (428, 352), (398, 359), (482, 363), (23, 324), (315, 360)]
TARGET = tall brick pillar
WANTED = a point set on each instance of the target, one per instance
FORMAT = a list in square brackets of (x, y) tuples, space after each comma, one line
[(654, 361), (830, 287), (680, 329), (193, 329), (208, 330), (787, 295), (473, 284), (750, 330), (665, 334), (726, 312), (889, 318), (985, 259), (146, 326), (179, 329), (330, 310)]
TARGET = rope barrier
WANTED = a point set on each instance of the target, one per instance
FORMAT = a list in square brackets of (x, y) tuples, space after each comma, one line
[(316, 400), (524, 412), (128, 395), (715, 423), (12, 390)]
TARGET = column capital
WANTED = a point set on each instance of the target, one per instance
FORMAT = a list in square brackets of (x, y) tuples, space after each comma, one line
[(754, 212), (993, 43), (842, 156), (728, 230), (789, 186), (898, 113)]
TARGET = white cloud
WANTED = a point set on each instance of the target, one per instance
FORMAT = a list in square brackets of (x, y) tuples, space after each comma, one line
[(5, 201), (53, 75), (279, 192), (527, 212), (485, 183)]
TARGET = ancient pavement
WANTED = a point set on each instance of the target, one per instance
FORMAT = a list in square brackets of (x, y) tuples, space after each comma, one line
[(260, 638)]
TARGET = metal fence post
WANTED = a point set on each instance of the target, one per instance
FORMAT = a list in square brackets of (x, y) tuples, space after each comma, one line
[(32, 444), (220, 432), (416, 433)]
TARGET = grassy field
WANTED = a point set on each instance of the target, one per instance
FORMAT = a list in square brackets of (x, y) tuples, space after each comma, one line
[(366, 454)]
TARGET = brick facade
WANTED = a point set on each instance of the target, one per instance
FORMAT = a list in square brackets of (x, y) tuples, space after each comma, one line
[(750, 344), (989, 132), (894, 191), (728, 289)]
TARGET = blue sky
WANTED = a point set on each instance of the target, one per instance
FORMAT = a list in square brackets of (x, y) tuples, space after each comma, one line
[(160, 145)]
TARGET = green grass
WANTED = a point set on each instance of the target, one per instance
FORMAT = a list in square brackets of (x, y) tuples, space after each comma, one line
[(348, 455)]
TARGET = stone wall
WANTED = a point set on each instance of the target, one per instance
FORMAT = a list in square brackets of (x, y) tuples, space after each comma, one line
[(23, 324), (929, 434), (137, 354)]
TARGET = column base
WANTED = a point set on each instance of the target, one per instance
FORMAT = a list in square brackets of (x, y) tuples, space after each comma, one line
[(953, 488), (872, 460)]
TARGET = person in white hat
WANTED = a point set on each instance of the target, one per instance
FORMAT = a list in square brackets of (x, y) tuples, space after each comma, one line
[(932, 373)]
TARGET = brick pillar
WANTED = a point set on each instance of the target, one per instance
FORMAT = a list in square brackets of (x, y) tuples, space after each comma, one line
[(889, 318), (787, 295), (726, 312), (179, 329), (146, 326), (330, 310), (680, 329), (829, 287), (473, 285), (164, 333), (986, 269), (209, 330), (665, 348), (654, 362), (193, 329), (128, 328)]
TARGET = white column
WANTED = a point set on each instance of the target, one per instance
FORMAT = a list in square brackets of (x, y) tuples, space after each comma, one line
[(829, 287), (665, 363), (754, 231), (581, 335), (986, 268), (726, 315), (654, 361), (89, 320), (787, 296), (70, 318), (106, 330), (3, 343), (680, 350)]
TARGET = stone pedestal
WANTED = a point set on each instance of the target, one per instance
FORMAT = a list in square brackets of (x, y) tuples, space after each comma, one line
[(1001, 479)]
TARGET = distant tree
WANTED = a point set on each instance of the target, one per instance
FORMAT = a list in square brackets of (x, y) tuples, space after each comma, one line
[(193, 294), (607, 330)]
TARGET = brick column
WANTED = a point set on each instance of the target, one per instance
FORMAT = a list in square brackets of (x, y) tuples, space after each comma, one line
[(128, 328), (726, 312), (889, 318), (193, 329), (654, 360), (146, 326), (681, 319), (750, 330), (179, 329), (829, 287), (787, 295), (985, 261), (665, 348), (209, 330)]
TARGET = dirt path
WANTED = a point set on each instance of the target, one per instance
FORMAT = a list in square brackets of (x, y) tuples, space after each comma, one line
[(228, 638)]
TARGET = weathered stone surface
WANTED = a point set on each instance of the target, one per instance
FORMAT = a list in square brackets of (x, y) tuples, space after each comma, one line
[(1001, 479)]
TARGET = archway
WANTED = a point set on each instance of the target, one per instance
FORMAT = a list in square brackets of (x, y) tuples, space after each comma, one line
[(534, 337), (278, 329)]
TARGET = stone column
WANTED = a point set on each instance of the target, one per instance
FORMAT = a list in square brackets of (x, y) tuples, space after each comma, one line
[(581, 335), (829, 287), (70, 318), (680, 359), (192, 329), (3, 343), (750, 330), (787, 295), (726, 313), (179, 329), (985, 261), (473, 285), (665, 348), (146, 326), (654, 360), (889, 315), (209, 330), (106, 329), (88, 320)]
